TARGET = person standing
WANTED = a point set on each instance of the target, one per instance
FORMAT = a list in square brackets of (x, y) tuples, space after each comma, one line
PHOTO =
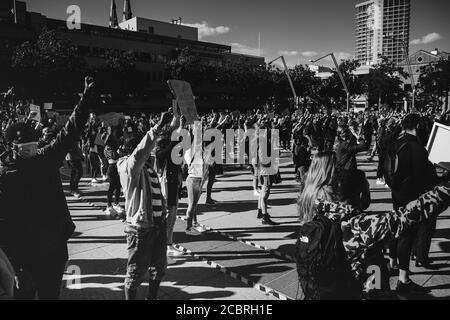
[(112, 155), (75, 159), (412, 178), (171, 180), (38, 229), (146, 226)]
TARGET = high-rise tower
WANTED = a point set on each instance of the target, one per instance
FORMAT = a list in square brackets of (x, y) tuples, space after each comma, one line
[(382, 29)]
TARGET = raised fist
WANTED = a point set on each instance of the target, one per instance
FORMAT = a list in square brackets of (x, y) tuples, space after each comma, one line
[(88, 84)]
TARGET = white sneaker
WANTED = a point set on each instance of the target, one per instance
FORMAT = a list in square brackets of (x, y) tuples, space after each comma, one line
[(110, 213), (199, 228), (118, 208), (380, 182), (95, 181), (172, 252), (104, 178), (170, 261), (256, 193)]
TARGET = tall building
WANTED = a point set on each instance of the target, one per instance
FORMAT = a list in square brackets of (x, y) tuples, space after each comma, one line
[(382, 29)]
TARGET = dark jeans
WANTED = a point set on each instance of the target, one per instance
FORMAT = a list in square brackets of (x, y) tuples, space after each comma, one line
[(421, 246), (42, 276), (401, 248), (114, 184), (147, 252), (76, 174), (211, 180), (380, 173), (94, 161)]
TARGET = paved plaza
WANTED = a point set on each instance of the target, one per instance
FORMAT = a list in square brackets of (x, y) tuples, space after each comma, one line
[(238, 258)]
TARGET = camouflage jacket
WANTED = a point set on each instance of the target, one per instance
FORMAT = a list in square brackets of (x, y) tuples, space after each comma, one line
[(361, 231)]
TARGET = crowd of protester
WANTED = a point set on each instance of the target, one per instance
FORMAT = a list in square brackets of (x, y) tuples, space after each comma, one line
[(135, 158)]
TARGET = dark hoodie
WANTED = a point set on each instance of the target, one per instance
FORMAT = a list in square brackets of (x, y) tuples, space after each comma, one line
[(34, 218)]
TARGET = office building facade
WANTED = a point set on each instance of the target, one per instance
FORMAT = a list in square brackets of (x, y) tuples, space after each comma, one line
[(382, 29)]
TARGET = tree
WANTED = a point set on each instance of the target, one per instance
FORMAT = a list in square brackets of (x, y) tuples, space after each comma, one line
[(331, 91), (384, 84), (118, 76), (434, 83), (47, 65)]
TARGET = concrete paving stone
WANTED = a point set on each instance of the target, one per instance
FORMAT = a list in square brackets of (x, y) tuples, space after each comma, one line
[(256, 265), (287, 284)]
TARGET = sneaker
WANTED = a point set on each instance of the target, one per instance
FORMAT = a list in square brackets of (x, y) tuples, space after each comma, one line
[(192, 232), (104, 178), (380, 182), (76, 194), (170, 261), (199, 228), (210, 201), (256, 193), (267, 221), (172, 252), (426, 265), (110, 212), (95, 181), (410, 287), (118, 208)]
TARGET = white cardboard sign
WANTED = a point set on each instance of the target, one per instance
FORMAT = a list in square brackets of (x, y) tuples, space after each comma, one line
[(439, 146)]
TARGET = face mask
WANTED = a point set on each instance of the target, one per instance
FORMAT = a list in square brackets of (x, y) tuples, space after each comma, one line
[(27, 150)]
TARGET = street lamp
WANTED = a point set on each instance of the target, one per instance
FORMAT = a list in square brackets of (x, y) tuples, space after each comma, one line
[(340, 76), (286, 71)]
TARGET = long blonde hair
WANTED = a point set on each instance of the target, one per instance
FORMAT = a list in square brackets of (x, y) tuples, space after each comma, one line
[(317, 185)]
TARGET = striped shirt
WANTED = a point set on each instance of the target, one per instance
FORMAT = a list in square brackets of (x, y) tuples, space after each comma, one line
[(157, 199)]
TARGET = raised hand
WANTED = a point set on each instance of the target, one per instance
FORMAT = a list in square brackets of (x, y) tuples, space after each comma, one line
[(88, 85)]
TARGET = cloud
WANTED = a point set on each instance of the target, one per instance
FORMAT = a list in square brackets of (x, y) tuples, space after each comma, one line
[(429, 38), (244, 49), (205, 30), (343, 55), (288, 53), (309, 54)]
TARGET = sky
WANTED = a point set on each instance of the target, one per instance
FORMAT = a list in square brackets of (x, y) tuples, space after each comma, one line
[(298, 29)]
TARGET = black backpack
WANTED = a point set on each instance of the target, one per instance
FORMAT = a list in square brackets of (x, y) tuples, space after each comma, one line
[(390, 165), (323, 270)]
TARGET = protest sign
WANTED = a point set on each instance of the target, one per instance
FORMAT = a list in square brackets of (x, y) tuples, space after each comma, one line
[(438, 146), (48, 105), (185, 98), (176, 109), (35, 112), (111, 119)]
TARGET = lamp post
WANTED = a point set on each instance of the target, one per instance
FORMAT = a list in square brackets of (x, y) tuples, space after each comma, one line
[(411, 75), (340, 76), (286, 71)]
